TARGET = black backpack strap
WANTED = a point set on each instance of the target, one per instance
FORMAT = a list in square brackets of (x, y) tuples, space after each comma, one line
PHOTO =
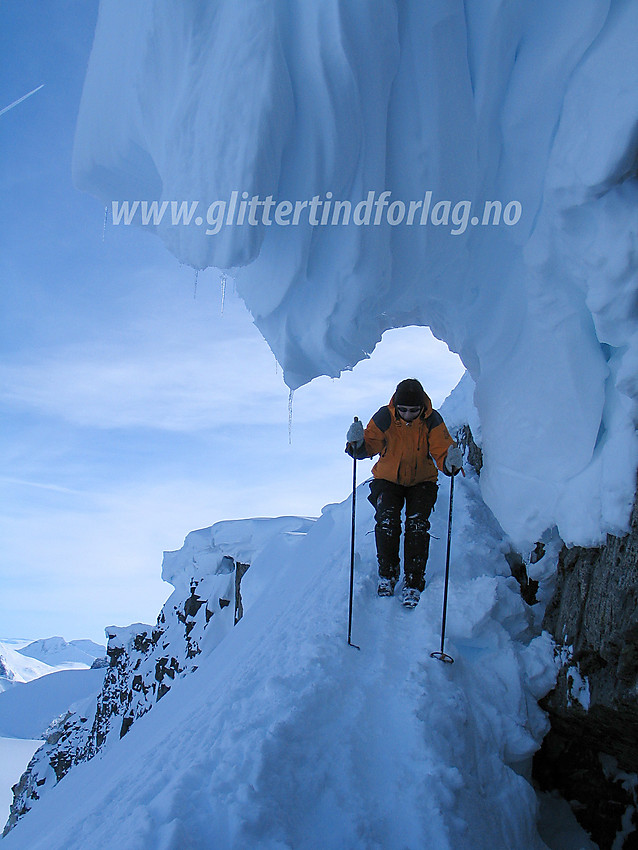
[(433, 420), (382, 418)]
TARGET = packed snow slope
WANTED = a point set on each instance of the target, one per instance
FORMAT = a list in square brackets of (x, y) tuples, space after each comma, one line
[(286, 737), (534, 102)]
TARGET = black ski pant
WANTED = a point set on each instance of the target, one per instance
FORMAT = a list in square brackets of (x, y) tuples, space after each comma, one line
[(388, 499)]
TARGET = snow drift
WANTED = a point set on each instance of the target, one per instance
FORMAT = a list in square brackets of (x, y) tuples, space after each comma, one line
[(534, 102)]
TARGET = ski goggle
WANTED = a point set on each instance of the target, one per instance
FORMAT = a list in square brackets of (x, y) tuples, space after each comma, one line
[(406, 409)]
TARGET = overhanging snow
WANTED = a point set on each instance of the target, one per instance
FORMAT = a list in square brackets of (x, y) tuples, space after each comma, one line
[(534, 102)]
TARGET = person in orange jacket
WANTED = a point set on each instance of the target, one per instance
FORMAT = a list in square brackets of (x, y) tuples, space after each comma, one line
[(412, 441)]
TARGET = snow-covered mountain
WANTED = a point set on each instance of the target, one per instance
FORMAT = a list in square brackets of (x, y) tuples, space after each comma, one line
[(16, 667), (22, 661), (56, 651), (90, 647)]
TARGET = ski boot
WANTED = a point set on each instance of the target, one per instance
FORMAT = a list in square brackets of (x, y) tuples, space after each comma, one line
[(410, 597), (386, 586)]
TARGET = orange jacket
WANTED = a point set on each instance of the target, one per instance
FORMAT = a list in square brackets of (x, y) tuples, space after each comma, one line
[(408, 450)]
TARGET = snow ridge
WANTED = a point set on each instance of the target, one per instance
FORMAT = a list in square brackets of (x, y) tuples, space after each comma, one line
[(146, 661), (286, 737)]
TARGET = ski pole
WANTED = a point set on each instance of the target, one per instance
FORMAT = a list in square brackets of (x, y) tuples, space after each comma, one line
[(354, 498), (441, 655)]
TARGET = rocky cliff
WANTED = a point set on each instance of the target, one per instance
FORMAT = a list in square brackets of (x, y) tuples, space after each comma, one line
[(591, 753)]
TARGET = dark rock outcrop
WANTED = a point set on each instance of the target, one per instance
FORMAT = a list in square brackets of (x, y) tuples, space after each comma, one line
[(143, 664), (518, 568), (591, 753), (471, 451), (473, 456)]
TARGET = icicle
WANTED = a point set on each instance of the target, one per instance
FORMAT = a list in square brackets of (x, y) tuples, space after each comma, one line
[(195, 287), (106, 218), (222, 281), (290, 395)]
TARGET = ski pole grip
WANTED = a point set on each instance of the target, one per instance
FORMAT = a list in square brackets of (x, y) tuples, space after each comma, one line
[(356, 419)]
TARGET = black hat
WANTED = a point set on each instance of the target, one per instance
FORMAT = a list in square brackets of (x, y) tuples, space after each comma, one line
[(409, 393)]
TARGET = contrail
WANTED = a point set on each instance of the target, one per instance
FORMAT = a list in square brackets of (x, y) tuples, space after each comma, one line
[(20, 99)]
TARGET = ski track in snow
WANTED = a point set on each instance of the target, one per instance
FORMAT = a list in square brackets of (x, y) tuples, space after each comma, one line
[(288, 738)]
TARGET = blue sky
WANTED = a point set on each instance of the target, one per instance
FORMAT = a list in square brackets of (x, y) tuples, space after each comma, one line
[(132, 411)]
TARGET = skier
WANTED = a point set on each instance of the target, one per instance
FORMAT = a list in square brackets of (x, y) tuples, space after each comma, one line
[(410, 437)]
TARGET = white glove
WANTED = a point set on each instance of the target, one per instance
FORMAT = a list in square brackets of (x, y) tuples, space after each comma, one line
[(453, 460), (355, 434)]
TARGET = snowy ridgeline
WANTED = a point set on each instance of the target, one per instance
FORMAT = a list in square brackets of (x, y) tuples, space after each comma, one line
[(281, 736), (532, 102), (58, 652), (144, 661)]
